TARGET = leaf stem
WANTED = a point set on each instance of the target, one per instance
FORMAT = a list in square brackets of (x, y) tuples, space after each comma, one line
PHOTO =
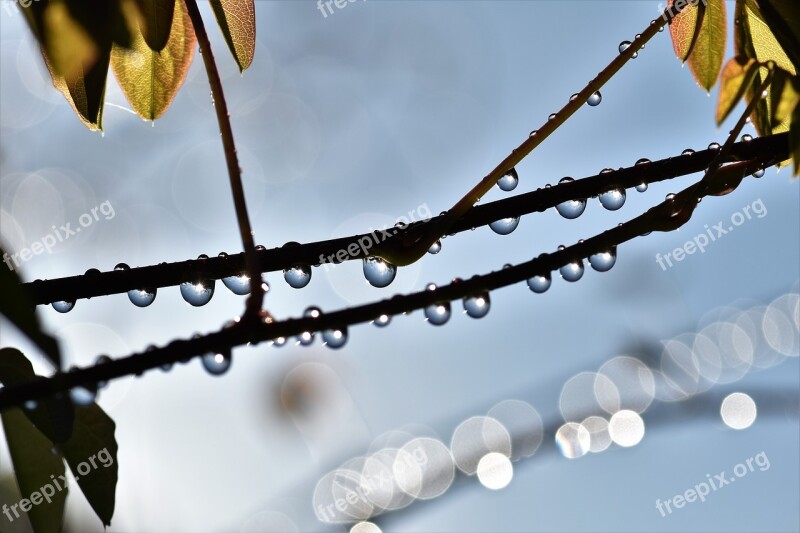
[(254, 300)]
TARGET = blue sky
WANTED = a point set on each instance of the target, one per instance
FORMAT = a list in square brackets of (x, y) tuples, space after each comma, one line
[(348, 122)]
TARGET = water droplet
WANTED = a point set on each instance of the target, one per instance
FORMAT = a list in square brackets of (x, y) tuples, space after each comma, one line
[(335, 338), (63, 306), (312, 312), (552, 116), (540, 283), (435, 248), (613, 199), (747, 137), (759, 173), (624, 46), (202, 257), (30, 405), (91, 272), (603, 261), (305, 338), (142, 297), (595, 99), (504, 226), (239, 285), (379, 273), (643, 161), (534, 132), (478, 306), (298, 276), (260, 248), (81, 395), (573, 97), (670, 197), (508, 182), (198, 293), (642, 187), (382, 321), (572, 271), (688, 151), (278, 342), (217, 363), (122, 266), (571, 208), (714, 146), (438, 314)]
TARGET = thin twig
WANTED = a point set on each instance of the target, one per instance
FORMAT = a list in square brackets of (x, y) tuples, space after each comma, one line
[(414, 246), (255, 299)]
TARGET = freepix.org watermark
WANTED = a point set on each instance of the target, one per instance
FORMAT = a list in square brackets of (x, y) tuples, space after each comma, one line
[(712, 484), (676, 7), (59, 234), (326, 6), (699, 243), (374, 237), (47, 492)]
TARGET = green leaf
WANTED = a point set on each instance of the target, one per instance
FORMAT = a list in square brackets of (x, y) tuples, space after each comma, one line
[(237, 20), (18, 308), (786, 94), (783, 18), (157, 15), (753, 38), (53, 417), (92, 456), (736, 77), (150, 79), (698, 37), (39, 472)]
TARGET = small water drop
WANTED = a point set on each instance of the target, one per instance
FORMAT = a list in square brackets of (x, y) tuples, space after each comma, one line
[(540, 283), (534, 132), (643, 161), (714, 146), (435, 248), (603, 261), (198, 293), (613, 199), (504, 226), (438, 314), (382, 321), (747, 137), (670, 197), (624, 46), (239, 284), (572, 271), (63, 306), (478, 306), (298, 276), (379, 273), (595, 99), (82, 396), (688, 151), (570, 209), (122, 266), (552, 116), (573, 97), (217, 363), (142, 297), (642, 187), (335, 338), (508, 182), (759, 173), (30, 405)]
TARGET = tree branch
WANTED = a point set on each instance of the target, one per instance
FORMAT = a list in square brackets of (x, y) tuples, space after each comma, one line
[(765, 151)]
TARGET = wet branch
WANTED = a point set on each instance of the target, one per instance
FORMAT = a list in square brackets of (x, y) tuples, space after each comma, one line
[(764, 151)]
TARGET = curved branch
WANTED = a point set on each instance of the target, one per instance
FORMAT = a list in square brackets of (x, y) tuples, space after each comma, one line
[(764, 151)]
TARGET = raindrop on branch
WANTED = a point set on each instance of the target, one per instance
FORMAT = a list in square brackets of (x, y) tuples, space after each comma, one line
[(624, 46), (613, 199), (595, 99), (63, 306), (477, 306), (298, 276), (508, 182), (438, 314), (504, 226), (335, 338), (378, 272), (217, 363), (142, 297), (572, 271), (603, 261), (239, 284), (540, 283), (199, 293), (570, 209), (435, 248)]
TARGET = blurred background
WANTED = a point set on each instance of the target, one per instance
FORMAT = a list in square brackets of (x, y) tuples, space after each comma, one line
[(347, 122)]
